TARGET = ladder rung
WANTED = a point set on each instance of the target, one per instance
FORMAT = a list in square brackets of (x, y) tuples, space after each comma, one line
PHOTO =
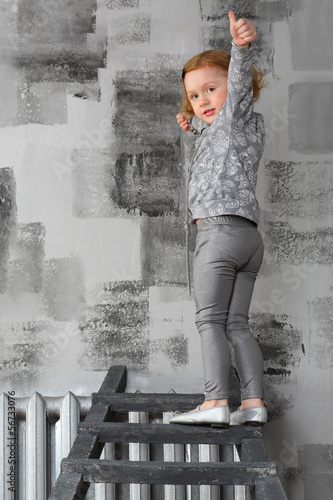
[(124, 402), (120, 432), (194, 473)]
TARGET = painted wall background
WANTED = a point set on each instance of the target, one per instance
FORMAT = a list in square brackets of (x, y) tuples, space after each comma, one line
[(92, 180)]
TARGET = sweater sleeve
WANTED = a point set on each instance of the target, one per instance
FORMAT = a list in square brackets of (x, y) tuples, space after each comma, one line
[(240, 82)]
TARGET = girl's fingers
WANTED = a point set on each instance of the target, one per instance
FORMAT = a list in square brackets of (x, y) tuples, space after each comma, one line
[(245, 35), (244, 29), (249, 39), (182, 121), (232, 18), (246, 26)]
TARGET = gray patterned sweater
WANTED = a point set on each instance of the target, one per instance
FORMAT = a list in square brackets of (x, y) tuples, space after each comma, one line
[(223, 174)]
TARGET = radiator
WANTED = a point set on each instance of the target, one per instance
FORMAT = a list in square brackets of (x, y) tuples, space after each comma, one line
[(37, 432), (44, 429)]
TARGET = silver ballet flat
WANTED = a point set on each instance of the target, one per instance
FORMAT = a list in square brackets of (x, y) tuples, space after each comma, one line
[(250, 416), (218, 415)]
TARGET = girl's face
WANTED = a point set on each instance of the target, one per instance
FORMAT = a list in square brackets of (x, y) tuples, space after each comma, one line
[(206, 89)]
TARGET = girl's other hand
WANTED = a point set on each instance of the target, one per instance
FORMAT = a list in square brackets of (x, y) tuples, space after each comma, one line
[(242, 31), (183, 122)]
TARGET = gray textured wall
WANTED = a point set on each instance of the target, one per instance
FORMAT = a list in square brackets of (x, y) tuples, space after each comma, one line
[(92, 179)]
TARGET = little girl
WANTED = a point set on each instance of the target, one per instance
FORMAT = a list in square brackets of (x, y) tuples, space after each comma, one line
[(220, 89)]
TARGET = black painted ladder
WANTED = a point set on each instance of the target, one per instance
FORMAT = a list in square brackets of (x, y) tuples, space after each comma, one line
[(105, 424)]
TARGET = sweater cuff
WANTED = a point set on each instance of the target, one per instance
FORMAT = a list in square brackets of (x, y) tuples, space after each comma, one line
[(239, 47)]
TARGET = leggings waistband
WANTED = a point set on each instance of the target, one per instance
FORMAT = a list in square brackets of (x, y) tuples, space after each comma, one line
[(235, 220)]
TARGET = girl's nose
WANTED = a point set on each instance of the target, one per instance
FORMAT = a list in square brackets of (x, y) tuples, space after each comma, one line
[(203, 100)]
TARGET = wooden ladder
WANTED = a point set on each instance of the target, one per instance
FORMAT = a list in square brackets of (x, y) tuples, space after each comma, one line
[(84, 466)]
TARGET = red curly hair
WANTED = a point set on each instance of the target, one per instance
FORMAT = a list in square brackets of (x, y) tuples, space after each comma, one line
[(221, 59)]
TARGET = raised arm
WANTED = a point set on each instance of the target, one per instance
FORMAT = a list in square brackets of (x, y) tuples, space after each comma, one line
[(240, 72)]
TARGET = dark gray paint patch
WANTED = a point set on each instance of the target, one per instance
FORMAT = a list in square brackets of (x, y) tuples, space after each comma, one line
[(148, 181), (290, 246), (163, 250), (272, 11), (116, 329), (26, 271), (318, 482), (131, 30), (308, 55), (218, 9), (30, 241), (136, 184), (316, 457), (299, 189), (121, 4), (8, 79), (63, 288), (53, 41), (21, 359), (278, 403), (310, 117), (175, 348), (49, 47), (7, 220), (43, 103), (146, 104), (281, 345), (315, 464), (67, 67), (25, 353), (147, 170), (321, 321), (59, 22)]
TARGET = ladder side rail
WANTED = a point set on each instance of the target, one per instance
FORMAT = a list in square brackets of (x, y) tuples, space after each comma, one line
[(265, 487), (72, 486)]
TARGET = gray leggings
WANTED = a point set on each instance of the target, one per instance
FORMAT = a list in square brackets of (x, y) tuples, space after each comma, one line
[(227, 258)]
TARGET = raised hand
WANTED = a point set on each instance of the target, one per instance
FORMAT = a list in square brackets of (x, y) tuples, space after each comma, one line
[(242, 31), (183, 122)]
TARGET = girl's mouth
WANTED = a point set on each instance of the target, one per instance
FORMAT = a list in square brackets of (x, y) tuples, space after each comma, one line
[(209, 112)]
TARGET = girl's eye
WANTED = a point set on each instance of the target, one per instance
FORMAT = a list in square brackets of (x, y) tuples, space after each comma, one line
[(210, 89), (194, 96)]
